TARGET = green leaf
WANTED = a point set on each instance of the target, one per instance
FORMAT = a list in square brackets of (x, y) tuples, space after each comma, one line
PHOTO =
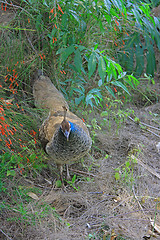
[(129, 81), (74, 179), (74, 14), (137, 120), (81, 48), (151, 62), (78, 60), (39, 22), (21, 165), (101, 27), (100, 83), (95, 91), (73, 67), (44, 2), (111, 69), (119, 84), (135, 80), (81, 91), (104, 114), (118, 67), (64, 20), (108, 18), (107, 4), (110, 91), (127, 164), (102, 68), (97, 101), (109, 77), (58, 183), (79, 100), (92, 64), (117, 4), (83, 26), (136, 13), (11, 173), (128, 59), (117, 176), (89, 100), (122, 75), (66, 52), (96, 46), (139, 59), (148, 25), (13, 159), (113, 12), (32, 157)]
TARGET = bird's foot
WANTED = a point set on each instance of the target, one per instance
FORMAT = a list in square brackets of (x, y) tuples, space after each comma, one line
[(68, 175)]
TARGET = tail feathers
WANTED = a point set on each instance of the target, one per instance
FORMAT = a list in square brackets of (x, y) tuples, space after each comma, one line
[(46, 95)]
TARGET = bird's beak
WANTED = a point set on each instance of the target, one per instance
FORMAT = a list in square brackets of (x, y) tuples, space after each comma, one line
[(66, 134)]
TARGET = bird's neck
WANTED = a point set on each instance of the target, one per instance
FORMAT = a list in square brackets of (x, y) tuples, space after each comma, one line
[(73, 126), (74, 129)]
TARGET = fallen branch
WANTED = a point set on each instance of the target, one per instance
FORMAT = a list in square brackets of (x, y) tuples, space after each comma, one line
[(5, 234), (149, 169), (141, 124), (82, 173)]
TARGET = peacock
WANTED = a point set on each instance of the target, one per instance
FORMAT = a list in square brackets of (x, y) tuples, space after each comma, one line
[(63, 135)]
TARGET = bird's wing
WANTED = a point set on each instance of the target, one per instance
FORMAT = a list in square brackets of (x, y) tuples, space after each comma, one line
[(53, 122), (46, 95)]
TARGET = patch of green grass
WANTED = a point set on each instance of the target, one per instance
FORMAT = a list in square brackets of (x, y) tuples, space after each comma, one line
[(21, 208), (125, 172)]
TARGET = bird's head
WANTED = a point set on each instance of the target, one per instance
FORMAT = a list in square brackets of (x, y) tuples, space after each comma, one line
[(65, 125)]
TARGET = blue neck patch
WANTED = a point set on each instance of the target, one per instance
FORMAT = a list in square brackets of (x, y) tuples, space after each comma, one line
[(73, 126)]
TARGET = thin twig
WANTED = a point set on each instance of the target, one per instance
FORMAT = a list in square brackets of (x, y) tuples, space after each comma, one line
[(149, 169), (81, 172), (5, 235), (30, 42), (145, 124), (130, 213), (138, 201), (150, 126), (153, 133), (141, 124)]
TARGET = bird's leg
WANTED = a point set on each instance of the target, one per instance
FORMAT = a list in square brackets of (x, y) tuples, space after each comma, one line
[(60, 167), (68, 175)]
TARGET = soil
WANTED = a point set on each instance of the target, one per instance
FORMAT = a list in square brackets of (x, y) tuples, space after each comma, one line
[(104, 205)]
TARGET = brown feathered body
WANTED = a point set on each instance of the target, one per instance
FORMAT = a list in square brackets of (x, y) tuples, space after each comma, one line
[(61, 149)]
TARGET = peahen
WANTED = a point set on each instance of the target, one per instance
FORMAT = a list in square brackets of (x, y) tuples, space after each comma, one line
[(63, 135)]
